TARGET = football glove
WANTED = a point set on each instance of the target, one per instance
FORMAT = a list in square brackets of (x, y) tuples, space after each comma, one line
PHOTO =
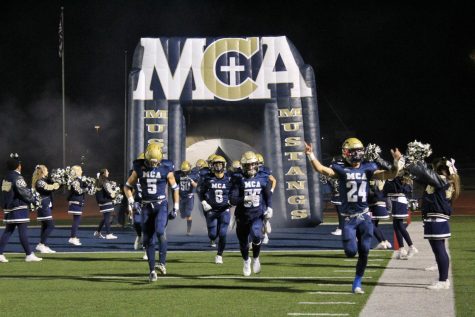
[(206, 206), (268, 213), (136, 207), (172, 214)]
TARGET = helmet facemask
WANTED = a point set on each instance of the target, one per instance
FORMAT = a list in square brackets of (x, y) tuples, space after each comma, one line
[(250, 169)]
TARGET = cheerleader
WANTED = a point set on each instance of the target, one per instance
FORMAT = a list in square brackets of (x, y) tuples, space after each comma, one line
[(377, 207), (397, 190), (17, 199), (104, 196), (76, 202), (442, 188), (45, 188)]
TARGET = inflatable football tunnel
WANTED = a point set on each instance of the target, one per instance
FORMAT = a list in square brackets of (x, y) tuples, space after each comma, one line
[(199, 96)]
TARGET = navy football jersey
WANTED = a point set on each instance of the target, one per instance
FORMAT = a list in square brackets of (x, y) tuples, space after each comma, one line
[(257, 186), (153, 180), (216, 191), (353, 186), (184, 183)]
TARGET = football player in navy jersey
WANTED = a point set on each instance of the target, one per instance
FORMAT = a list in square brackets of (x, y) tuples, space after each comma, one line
[(214, 198), (76, 202), (104, 197), (353, 180), (17, 199), (397, 190), (153, 174), (442, 188), (266, 171), (187, 181), (203, 173), (251, 194), (45, 188)]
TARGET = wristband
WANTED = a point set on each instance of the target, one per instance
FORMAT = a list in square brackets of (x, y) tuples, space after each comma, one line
[(131, 200), (311, 156), (176, 206)]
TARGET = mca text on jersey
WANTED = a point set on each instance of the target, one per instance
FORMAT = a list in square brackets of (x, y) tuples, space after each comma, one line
[(203, 63)]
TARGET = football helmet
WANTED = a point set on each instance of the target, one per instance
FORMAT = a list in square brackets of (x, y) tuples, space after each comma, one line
[(201, 163), (249, 163), (185, 167), (218, 164), (260, 159), (352, 150), (153, 154)]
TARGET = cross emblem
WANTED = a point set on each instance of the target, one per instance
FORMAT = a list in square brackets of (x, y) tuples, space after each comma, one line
[(233, 70)]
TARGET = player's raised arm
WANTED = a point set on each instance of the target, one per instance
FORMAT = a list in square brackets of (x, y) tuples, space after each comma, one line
[(319, 167)]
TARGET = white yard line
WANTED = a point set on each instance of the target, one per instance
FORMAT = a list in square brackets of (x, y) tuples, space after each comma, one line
[(327, 303)]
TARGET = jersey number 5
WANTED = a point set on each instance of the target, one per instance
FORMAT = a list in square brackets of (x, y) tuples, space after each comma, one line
[(356, 191)]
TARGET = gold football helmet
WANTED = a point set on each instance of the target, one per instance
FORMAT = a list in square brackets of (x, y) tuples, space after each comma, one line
[(352, 150), (185, 166), (141, 156), (218, 163), (201, 163), (260, 159), (153, 154), (249, 163)]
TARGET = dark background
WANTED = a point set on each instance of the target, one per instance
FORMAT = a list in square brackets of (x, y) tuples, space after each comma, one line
[(387, 72)]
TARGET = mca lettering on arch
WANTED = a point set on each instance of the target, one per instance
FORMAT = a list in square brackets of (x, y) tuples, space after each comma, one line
[(202, 63)]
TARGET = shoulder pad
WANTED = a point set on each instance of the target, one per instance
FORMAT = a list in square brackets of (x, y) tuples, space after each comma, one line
[(168, 164)]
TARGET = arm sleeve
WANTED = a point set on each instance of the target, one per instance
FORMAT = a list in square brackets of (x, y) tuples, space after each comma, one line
[(268, 195), (234, 195), (425, 175), (23, 190)]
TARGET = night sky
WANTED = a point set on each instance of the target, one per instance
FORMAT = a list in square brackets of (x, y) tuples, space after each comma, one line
[(387, 73)]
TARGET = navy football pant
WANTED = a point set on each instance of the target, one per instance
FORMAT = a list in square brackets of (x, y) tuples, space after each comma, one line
[(46, 227), (357, 236), (441, 257), (249, 230), (218, 223), (23, 233), (154, 223)]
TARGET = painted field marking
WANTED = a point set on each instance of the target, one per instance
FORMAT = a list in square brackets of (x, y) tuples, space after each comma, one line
[(370, 260), (327, 303), (211, 277), (316, 314), (330, 293), (346, 271)]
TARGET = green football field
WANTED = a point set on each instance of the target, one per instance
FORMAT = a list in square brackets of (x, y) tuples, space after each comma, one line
[(116, 284)]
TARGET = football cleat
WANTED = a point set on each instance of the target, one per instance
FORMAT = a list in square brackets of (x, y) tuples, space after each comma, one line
[(265, 240), (356, 287), (218, 259), (3, 259), (256, 266), (212, 243), (153, 276), (97, 234), (439, 285), (48, 250), (32, 258), (111, 236), (412, 251), (337, 232), (145, 256), (246, 269), (137, 243), (74, 241), (160, 267)]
